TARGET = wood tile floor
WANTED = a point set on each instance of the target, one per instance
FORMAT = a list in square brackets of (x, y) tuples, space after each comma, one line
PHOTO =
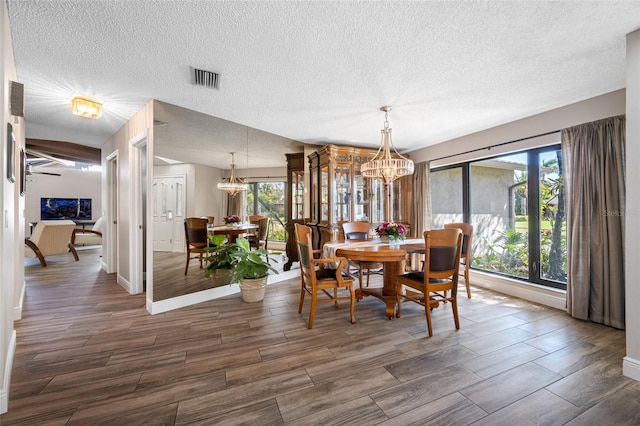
[(89, 354)]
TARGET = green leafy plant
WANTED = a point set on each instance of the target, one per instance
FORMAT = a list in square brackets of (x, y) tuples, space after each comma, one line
[(250, 263), (221, 254)]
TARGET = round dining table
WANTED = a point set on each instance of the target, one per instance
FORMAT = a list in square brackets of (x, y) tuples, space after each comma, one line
[(233, 231), (393, 259)]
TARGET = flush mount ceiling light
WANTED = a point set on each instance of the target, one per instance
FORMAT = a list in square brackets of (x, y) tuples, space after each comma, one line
[(233, 185), (86, 107), (383, 166)]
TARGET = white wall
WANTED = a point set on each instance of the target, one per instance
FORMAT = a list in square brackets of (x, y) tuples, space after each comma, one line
[(12, 220), (604, 106), (71, 184), (631, 364), (142, 121), (208, 200)]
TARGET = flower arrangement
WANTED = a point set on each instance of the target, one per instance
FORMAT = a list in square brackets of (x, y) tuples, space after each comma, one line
[(392, 230), (232, 218)]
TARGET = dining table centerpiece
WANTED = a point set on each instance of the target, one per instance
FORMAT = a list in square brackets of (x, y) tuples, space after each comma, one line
[(391, 232), (232, 220)]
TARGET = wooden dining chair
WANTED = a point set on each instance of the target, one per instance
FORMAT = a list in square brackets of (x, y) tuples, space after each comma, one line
[(439, 276), (261, 237), (360, 231), (465, 255), (195, 232), (318, 278)]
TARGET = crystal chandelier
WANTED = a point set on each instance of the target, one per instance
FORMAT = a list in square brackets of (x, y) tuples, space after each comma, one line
[(383, 166), (233, 185)]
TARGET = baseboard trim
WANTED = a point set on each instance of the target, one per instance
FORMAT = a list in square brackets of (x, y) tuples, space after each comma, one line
[(124, 283), (213, 293), (631, 368), (6, 383), (17, 310), (551, 297)]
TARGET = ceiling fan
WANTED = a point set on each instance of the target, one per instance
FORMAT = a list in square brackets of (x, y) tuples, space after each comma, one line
[(39, 159), (31, 171)]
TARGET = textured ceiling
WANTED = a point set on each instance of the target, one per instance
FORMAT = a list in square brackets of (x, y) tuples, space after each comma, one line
[(316, 71)]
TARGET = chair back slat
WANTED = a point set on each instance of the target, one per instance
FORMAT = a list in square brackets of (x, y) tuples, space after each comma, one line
[(443, 258), (467, 232), (356, 230), (442, 253), (305, 251), (196, 231)]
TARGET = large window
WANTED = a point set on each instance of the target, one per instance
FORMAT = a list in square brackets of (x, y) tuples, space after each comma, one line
[(267, 199), (515, 203), (446, 196)]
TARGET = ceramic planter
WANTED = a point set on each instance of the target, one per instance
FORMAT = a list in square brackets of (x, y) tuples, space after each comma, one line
[(221, 277), (252, 290)]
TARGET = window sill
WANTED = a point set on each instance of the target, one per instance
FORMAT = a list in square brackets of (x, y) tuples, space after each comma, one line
[(536, 293)]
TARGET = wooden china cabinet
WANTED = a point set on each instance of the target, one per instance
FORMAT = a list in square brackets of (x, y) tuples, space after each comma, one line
[(294, 207), (339, 193)]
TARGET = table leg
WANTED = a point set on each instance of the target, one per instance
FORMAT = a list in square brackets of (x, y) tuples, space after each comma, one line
[(388, 292)]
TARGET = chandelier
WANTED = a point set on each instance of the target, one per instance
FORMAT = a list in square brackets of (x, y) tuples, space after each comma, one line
[(383, 166), (233, 185)]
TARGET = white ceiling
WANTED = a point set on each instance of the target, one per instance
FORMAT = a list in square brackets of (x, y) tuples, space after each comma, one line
[(315, 71)]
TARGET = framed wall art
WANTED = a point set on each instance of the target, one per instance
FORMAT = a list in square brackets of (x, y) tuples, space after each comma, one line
[(11, 154), (23, 172)]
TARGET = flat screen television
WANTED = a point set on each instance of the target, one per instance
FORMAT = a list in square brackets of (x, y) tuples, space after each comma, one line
[(65, 208)]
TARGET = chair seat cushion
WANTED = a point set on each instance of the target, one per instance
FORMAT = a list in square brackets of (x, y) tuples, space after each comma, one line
[(328, 274), (88, 239), (419, 276)]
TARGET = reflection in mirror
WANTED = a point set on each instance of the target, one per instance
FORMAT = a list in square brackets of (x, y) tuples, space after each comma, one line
[(191, 155)]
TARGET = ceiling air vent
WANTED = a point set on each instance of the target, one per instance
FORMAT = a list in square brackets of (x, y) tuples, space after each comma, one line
[(205, 78)]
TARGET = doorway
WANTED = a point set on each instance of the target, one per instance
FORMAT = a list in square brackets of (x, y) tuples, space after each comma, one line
[(110, 259), (168, 213)]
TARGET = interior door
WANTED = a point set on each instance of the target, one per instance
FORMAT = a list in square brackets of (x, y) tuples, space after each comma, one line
[(168, 213)]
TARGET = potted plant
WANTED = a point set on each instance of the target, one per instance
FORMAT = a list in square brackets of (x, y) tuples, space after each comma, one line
[(251, 270), (220, 261)]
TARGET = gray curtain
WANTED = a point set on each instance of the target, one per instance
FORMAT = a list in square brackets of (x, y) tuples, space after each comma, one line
[(593, 155), (234, 204), (420, 216)]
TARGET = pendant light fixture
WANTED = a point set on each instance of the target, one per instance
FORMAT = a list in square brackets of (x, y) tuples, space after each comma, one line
[(383, 166), (86, 107), (232, 185)]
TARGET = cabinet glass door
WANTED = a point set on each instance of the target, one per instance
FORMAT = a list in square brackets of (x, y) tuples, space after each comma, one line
[(314, 196), (377, 201), (397, 215), (297, 195), (342, 193), (324, 194), (361, 200)]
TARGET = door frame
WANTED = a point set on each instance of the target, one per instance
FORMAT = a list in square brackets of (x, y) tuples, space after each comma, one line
[(111, 262), (138, 156)]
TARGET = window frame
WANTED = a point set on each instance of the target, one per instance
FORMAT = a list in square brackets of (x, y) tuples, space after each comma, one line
[(533, 207)]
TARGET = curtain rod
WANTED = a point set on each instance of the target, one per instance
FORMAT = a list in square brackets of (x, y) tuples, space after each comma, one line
[(496, 145), (265, 177)]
